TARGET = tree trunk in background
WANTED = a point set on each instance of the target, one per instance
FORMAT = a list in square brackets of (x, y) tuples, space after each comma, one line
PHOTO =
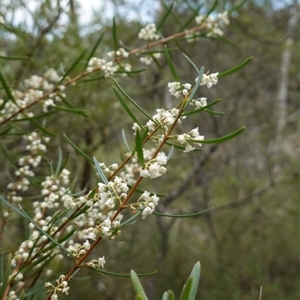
[(284, 70)]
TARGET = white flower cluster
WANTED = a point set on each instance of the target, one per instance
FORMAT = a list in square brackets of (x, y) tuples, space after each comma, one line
[(193, 135), (108, 67), (27, 164), (78, 250), (148, 59), (209, 80), (176, 88), (119, 52), (199, 102), (35, 87), (163, 118), (96, 263), (154, 167), (214, 25), (61, 287), (107, 229), (148, 33), (147, 203)]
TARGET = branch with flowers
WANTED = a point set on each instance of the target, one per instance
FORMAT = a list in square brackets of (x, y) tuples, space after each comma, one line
[(63, 223)]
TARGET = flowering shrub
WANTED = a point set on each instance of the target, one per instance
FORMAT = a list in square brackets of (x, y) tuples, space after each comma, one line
[(63, 223)]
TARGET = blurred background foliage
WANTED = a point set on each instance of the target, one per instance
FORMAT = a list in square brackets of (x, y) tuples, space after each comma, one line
[(251, 237)]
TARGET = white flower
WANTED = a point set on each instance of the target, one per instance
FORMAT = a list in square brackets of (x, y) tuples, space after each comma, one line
[(148, 33), (101, 261)]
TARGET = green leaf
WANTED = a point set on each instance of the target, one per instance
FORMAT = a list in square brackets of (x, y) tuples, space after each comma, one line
[(195, 88), (219, 113), (59, 162), (114, 29), (192, 18), (195, 111), (186, 291), (223, 138), (138, 286), (78, 150), (170, 64), (170, 153), (129, 220), (5, 273), (132, 101), (192, 63), (169, 295), (73, 66), (94, 49), (165, 16), (195, 274), (41, 128), (181, 147), (100, 171), (121, 275), (7, 90), (235, 69), (126, 107), (125, 140), (183, 216), (61, 240), (76, 111), (213, 7), (44, 233), (13, 57), (139, 148), (237, 7)]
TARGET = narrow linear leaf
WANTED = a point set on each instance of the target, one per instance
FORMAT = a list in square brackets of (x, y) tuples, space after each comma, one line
[(79, 151), (7, 90), (59, 161), (165, 16), (221, 139), (114, 29), (170, 64), (125, 140), (170, 153), (73, 66), (100, 171), (195, 88), (169, 295), (213, 7), (44, 233), (181, 147), (218, 113), (192, 18), (122, 275), (76, 111), (129, 220), (13, 57), (41, 128), (237, 7), (132, 101), (183, 216), (235, 69), (5, 273), (61, 240), (177, 18), (94, 49), (137, 285), (43, 115), (186, 290), (195, 274), (192, 63), (195, 111), (126, 107), (139, 148), (139, 191)]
